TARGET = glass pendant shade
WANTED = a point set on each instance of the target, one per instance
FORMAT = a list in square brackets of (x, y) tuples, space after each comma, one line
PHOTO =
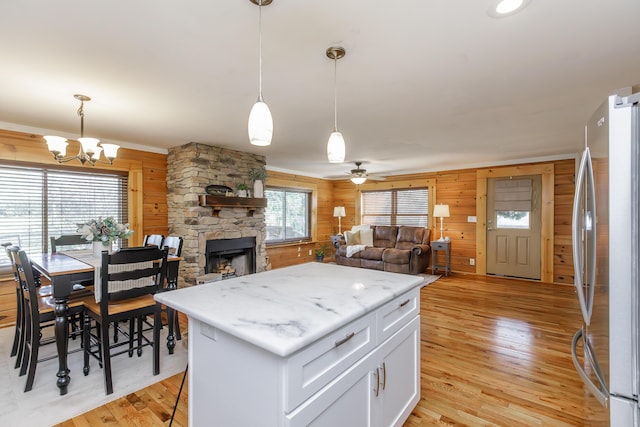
[(358, 180), (260, 124), (335, 148), (96, 155), (89, 145), (57, 145), (110, 150)]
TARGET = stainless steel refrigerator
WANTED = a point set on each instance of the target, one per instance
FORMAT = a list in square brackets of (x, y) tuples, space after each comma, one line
[(605, 230)]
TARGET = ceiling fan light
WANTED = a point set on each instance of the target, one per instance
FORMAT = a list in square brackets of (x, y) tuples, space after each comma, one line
[(335, 148), (260, 124), (57, 145), (358, 179)]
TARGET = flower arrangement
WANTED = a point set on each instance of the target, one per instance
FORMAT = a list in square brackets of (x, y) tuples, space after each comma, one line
[(104, 230)]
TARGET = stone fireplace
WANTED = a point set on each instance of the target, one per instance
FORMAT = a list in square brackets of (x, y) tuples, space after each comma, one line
[(239, 231)]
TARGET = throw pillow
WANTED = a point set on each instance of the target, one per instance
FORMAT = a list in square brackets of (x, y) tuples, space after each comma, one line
[(366, 237), (352, 238), (361, 227)]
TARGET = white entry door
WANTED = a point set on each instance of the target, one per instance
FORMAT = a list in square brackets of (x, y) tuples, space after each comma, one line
[(513, 226)]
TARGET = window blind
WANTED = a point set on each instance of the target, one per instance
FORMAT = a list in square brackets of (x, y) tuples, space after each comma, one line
[(36, 203), (396, 207)]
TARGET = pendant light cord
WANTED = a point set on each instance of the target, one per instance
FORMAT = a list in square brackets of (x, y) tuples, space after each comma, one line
[(260, 52), (335, 94)]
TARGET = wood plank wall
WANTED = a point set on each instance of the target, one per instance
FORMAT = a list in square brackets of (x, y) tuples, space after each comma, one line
[(457, 188)]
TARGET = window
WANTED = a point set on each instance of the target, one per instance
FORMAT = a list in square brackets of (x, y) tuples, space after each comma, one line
[(288, 215), (36, 203), (513, 202), (396, 207)]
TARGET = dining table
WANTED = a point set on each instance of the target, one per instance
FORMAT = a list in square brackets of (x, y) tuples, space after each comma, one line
[(63, 270)]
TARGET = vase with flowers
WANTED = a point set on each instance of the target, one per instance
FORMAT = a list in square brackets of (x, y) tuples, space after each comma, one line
[(103, 232)]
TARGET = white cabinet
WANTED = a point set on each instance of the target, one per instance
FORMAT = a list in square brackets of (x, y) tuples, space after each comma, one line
[(381, 390), (366, 373)]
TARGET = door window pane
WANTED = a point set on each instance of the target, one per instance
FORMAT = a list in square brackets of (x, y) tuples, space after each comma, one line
[(512, 219)]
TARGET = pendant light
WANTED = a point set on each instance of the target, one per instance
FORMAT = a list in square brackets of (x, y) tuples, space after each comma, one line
[(335, 146), (260, 120), (89, 149)]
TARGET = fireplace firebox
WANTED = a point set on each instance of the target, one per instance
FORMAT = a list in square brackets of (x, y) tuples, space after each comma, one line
[(231, 257)]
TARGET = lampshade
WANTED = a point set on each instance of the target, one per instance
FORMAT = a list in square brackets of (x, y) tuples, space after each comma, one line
[(335, 148), (260, 124), (358, 179), (110, 150), (57, 145), (441, 211), (339, 211)]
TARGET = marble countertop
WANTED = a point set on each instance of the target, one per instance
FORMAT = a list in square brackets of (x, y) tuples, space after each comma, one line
[(286, 309)]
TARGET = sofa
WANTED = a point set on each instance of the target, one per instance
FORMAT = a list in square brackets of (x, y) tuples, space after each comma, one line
[(399, 249)]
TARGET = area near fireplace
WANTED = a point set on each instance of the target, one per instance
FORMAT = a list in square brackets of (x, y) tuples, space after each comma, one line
[(190, 168)]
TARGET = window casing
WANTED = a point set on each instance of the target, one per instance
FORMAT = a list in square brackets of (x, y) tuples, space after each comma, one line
[(396, 207), (37, 202), (288, 215)]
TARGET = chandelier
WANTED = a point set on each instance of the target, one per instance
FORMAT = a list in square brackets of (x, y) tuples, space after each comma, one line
[(89, 148)]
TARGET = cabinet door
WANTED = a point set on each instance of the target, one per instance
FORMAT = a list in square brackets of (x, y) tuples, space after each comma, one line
[(399, 374), (344, 402)]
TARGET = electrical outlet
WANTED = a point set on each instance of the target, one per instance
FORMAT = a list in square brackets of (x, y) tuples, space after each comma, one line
[(472, 261), (310, 251)]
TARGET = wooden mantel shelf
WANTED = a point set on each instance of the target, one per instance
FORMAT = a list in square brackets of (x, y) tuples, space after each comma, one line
[(219, 202)]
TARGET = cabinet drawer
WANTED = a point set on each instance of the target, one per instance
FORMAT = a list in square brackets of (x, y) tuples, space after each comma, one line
[(397, 313), (315, 366)]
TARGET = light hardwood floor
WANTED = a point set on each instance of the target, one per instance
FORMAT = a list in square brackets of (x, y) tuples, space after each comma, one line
[(495, 352)]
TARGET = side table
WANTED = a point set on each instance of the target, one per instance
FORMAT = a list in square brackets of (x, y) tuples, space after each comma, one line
[(438, 246)]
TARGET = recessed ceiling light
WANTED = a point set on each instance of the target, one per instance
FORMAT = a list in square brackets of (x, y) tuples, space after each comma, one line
[(504, 8)]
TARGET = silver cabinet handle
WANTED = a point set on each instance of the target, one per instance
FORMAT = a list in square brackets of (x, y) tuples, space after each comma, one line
[(377, 389), (402, 304), (345, 339), (384, 376)]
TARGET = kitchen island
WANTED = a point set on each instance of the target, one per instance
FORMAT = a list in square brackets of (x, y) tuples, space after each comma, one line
[(313, 344)]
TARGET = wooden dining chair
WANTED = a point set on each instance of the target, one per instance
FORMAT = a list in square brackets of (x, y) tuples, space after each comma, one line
[(73, 241), (38, 313), (19, 332), (153, 239), (130, 278)]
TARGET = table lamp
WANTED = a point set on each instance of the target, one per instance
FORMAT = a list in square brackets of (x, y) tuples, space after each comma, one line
[(441, 211), (339, 212)]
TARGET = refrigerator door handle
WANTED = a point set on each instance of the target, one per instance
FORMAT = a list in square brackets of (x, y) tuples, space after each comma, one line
[(576, 237), (601, 392)]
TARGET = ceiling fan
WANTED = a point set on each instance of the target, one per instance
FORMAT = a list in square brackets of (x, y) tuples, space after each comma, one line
[(360, 175)]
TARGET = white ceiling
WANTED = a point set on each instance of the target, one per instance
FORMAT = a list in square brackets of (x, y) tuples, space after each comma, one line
[(425, 85)]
